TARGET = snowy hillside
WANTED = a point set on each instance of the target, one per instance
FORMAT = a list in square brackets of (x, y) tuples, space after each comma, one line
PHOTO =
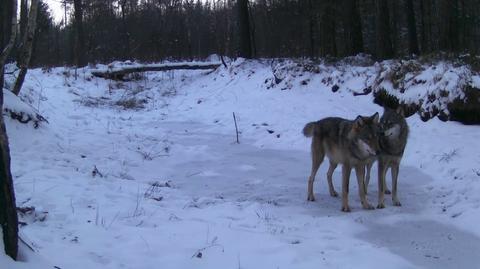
[(147, 174)]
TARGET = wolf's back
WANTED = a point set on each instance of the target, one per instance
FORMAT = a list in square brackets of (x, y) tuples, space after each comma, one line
[(324, 128)]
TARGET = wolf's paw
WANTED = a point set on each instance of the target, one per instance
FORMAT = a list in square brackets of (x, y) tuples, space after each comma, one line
[(333, 193), (368, 206), (346, 209), (397, 203), (311, 198), (380, 206), (387, 191)]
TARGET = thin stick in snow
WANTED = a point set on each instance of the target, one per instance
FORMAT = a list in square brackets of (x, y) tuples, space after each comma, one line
[(97, 215), (113, 220), (236, 127), (71, 206)]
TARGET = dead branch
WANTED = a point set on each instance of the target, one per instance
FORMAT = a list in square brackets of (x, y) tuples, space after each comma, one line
[(118, 74)]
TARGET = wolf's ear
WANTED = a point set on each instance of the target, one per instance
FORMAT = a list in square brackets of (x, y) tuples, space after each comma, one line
[(400, 111), (375, 118), (358, 122)]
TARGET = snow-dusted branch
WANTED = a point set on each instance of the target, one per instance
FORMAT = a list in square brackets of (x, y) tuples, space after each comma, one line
[(119, 73)]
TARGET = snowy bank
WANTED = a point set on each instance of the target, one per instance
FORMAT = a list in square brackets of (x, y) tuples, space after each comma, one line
[(447, 89)]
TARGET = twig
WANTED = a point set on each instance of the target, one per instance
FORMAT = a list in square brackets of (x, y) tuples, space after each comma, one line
[(114, 218), (145, 241), (194, 174), (199, 254), (97, 214), (71, 205), (366, 91), (236, 127), (137, 211), (26, 244), (223, 61), (11, 73), (96, 172)]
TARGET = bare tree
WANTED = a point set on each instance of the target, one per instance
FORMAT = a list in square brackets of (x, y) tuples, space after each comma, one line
[(8, 212), (328, 30), (384, 47), (412, 28), (80, 59), (245, 49), (352, 28), (26, 49), (312, 21), (23, 17)]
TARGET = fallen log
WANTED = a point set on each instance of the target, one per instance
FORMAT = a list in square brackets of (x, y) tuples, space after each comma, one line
[(119, 73)]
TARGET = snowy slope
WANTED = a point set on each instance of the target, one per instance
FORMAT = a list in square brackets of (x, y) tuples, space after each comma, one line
[(147, 174)]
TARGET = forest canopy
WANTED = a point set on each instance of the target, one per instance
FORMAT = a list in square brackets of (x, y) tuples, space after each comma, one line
[(154, 30)]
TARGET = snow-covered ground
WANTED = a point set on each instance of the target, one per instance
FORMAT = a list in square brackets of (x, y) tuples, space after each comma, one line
[(147, 174)]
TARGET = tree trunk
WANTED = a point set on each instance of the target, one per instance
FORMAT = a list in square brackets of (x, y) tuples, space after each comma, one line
[(311, 29), (384, 48), (13, 34), (412, 28), (252, 33), (448, 25), (245, 49), (23, 18), (126, 35), (328, 30), (423, 30), (8, 212), (8, 209), (26, 51), (80, 59), (353, 28)]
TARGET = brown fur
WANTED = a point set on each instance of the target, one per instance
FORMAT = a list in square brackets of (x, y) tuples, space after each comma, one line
[(346, 142)]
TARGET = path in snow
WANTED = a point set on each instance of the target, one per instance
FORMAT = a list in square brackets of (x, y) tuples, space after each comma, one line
[(246, 173), (252, 199)]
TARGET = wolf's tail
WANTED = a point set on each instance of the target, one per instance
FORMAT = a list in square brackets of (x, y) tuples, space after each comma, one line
[(309, 129)]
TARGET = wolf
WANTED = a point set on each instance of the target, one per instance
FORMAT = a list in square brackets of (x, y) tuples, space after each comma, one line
[(351, 143), (392, 140)]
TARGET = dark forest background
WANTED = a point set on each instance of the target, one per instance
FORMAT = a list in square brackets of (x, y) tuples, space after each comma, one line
[(154, 30)]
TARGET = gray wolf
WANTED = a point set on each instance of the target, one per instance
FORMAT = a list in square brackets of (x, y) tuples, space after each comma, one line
[(351, 143), (392, 141), (392, 137)]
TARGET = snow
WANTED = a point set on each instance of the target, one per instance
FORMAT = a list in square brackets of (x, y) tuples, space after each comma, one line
[(13, 103), (160, 183), (26, 258), (476, 81)]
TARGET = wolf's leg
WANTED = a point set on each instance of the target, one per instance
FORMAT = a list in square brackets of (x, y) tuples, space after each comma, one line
[(346, 170), (332, 167), (395, 168), (386, 190), (360, 172), (367, 177), (382, 171), (317, 158)]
